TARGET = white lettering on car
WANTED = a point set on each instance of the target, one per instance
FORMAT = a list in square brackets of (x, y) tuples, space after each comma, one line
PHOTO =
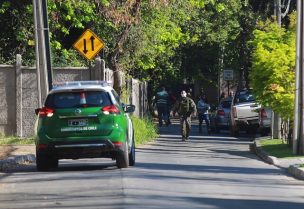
[(86, 128)]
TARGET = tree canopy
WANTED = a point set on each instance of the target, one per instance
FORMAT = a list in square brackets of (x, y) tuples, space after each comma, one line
[(152, 40), (273, 75)]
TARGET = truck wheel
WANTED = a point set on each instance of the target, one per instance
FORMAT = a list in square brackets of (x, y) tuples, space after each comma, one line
[(122, 157), (264, 132), (234, 132)]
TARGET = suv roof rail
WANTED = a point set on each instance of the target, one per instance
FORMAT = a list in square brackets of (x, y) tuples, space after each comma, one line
[(82, 83)]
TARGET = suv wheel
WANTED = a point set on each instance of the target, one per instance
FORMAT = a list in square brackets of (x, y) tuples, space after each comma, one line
[(42, 162), (132, 154), (122, 157), (53, 162)]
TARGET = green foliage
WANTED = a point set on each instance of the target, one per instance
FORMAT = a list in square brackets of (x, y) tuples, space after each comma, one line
[(272, 75), (144, 130)]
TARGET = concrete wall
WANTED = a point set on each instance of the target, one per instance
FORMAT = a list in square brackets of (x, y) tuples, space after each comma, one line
[(7, 100), (19, 93)]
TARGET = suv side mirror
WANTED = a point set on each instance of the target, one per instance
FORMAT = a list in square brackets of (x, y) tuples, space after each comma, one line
[(129, 108), (123, 105)]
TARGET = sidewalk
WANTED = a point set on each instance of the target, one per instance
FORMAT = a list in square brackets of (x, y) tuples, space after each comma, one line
[(292, 165), (13, 155)]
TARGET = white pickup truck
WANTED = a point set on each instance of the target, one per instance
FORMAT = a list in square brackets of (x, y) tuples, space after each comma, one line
[(244, 114)]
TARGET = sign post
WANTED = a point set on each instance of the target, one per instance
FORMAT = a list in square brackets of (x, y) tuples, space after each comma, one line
[(228, 76)]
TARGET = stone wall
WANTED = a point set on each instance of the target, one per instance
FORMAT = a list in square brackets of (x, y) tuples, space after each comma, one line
[(19, 93)]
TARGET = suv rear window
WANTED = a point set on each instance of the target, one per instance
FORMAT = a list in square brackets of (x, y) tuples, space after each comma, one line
[(244, 96), (78, 99)]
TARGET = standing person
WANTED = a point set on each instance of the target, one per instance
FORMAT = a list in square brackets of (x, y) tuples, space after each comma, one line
[(231, 94), (185, 107), (189, 93), (223, 96), (162, 99), (202, 109)]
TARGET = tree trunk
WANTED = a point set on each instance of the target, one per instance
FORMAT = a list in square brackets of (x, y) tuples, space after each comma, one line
[(119, 48)]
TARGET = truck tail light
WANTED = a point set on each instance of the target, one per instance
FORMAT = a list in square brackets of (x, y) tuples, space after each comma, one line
[(111, 109), (263, 113), (220, 113), (234, 113), (46, 112)]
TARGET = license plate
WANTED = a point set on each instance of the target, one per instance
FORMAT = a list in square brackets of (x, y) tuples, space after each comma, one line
[(78, 122)]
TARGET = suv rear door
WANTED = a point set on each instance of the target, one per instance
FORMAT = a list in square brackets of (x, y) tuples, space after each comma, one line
[(79, 113)]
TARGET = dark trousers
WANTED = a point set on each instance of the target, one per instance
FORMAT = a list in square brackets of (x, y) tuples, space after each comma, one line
[(201, 118), (162, 112), (185, 122)]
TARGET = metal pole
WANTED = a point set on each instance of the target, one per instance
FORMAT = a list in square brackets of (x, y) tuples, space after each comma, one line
[(276, 125), (301, 65), (298, 110)]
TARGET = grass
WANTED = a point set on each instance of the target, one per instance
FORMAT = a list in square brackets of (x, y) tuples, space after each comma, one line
[(144, 130), (11, 140), (276, 148)]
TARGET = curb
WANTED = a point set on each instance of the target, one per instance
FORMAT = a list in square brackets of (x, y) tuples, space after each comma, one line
[(293, 170), (256, 148), (16, 160), (296, 171)]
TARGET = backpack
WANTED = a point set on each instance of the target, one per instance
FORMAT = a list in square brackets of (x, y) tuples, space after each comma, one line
[(185, 107)]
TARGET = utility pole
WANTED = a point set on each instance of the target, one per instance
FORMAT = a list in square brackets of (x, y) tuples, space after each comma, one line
[(298, 129), (47, 43), (276, 119), (43, 62)]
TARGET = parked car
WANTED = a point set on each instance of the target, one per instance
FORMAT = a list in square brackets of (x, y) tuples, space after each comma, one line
[(244, 113), (219, 119), (84, 119), (265, 118)]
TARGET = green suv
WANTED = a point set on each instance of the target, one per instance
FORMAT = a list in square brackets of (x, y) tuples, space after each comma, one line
[(84, 119)]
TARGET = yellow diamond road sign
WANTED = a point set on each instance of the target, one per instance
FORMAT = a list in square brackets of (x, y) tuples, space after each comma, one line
[(89, 44)]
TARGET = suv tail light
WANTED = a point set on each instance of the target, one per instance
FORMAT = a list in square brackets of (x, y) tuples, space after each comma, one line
[(263, 113), (111, 109), (234, 113), (220, 113), (46, 112)]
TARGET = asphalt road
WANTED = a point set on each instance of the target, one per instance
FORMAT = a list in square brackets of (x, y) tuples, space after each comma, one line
[(215, 171)]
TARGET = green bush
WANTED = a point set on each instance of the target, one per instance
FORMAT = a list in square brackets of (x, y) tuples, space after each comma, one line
[(144, 130)]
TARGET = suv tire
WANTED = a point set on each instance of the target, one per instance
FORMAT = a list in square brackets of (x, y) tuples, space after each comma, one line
[(42, 162), (53, 162), (122, 157), (132, 154)]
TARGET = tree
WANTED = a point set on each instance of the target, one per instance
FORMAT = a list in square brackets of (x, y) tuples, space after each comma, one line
[(272, 75)]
